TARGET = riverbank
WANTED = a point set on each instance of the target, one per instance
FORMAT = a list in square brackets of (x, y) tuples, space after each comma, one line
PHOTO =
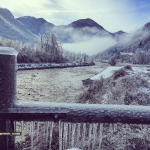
[(31, 66)]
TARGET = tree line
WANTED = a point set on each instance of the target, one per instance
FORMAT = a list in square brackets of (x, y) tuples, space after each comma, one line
[(46, 51)]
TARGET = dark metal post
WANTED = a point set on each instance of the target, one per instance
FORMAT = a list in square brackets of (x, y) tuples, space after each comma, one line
[(8, 67)]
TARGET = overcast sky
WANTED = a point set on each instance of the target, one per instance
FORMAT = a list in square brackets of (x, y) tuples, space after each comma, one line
[(113, 15)]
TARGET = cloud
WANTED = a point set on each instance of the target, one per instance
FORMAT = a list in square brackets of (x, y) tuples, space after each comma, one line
[(27, 7), (113, 15), (90, 46), (134, 38)]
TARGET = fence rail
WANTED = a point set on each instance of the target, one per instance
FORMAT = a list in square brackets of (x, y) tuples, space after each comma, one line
[(87, 113)]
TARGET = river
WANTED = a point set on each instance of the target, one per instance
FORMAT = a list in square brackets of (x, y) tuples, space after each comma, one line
[(54, 85)]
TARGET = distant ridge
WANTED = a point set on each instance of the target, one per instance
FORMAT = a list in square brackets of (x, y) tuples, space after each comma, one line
[(36, 25), (65, 33), (28, 29)]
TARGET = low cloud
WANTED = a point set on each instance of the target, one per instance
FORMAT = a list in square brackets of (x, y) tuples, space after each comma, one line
[(134, 37), (90, 46)]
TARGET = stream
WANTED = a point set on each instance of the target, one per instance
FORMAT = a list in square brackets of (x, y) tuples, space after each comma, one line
[(54, 85)]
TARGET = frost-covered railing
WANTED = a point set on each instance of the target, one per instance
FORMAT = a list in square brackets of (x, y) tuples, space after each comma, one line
[(77, 113), (15, 110)]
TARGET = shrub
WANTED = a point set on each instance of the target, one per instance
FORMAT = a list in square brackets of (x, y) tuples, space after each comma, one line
[(89, 95), (128, 90), (119, 73), (112, 61), (128, 67)]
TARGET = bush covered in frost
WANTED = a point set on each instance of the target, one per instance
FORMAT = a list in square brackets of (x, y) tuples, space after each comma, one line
[(122, 88), (128, 67)]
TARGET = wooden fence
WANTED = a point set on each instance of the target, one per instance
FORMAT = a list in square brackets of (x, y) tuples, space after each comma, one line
[(16, 110)]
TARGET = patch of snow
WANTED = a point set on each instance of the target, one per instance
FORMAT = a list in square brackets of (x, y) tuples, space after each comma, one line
[(73, 149), (140, 69), (146, 90), (105, 73), (123, 53), (7, 51)]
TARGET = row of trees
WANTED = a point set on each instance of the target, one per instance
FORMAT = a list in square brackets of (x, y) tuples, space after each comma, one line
[(141, 57), (48, 50)]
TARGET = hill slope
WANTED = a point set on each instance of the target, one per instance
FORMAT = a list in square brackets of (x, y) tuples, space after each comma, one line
[(85, 28), (36, 25), (137, 41), (11, 28)]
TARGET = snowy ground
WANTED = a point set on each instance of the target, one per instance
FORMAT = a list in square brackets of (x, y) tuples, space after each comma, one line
[(108, 72), (105, 73)]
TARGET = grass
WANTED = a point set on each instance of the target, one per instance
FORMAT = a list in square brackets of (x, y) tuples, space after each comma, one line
[(119, 73)]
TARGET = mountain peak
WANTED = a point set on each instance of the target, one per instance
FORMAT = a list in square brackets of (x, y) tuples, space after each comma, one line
[(146, 26), (120, 32), (6, 13), (81, 23)]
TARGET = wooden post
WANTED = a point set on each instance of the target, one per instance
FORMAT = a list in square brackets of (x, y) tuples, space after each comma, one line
[(8, 62)]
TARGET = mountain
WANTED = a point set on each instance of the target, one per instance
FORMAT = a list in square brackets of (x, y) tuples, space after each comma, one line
[(82, 23), (81, 30), (137, 41), (36, 25), (85, 28), (88, 27), (119, 32), (11, 28), (146, 26), (27, 29), (119, 35)]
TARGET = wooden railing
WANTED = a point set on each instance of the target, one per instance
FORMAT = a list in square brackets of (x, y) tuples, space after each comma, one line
[(17, 110)]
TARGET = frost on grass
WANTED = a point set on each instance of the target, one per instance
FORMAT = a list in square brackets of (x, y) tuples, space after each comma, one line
[(124, 86), (128, 86)]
